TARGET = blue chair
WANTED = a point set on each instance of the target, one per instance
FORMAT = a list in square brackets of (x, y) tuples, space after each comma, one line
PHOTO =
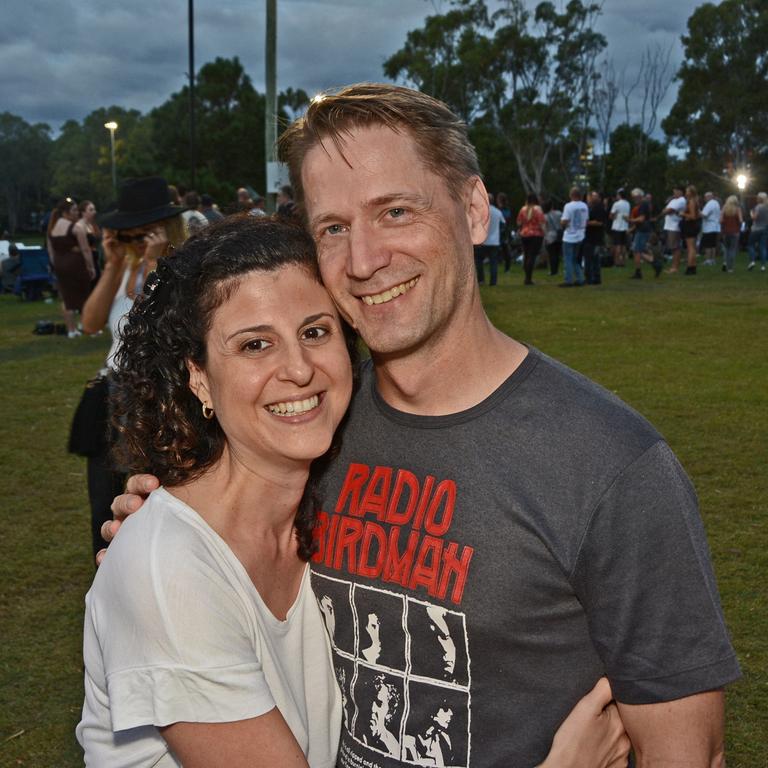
[(34, 274)]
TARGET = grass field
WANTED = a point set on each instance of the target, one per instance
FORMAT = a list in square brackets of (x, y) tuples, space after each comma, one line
[(691, 354)]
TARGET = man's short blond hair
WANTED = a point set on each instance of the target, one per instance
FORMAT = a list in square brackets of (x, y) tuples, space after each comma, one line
[(441, 137)]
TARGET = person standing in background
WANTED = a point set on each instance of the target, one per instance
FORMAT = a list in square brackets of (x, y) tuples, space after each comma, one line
[(620, 224), (594, 238), (530, 223), (92, 233), (690, 226), (575, 216), (672, 217), (72, 261), (490, 248), (758, 235), (553, 235), (710, 228), (731, 221)]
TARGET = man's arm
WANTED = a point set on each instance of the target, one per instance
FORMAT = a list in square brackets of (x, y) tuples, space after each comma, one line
[(684, 733)]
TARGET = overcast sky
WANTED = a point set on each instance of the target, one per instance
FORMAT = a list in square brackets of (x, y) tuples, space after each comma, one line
[(61, 59)]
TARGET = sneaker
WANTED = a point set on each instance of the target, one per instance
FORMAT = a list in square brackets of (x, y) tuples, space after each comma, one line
[(751, 265), (762, 269), (74, 334)]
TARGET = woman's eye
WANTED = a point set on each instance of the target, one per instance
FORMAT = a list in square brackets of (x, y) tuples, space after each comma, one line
[(256, 345), (315, 332)]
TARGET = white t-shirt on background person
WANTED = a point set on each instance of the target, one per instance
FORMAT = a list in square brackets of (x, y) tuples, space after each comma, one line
[(620, 210), (672, 220)]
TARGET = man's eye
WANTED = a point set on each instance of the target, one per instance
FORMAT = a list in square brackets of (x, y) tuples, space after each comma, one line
[(334, 229), (315, 332), (256, 345), (396, 213)]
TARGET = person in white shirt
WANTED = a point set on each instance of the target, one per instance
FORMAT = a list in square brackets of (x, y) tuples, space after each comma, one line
[(619, 215), (672, 214), (491, 247), (710, 228), (575, 216)]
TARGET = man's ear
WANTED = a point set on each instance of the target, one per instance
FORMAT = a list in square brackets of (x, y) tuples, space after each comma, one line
[(478, 210), (198, 383)]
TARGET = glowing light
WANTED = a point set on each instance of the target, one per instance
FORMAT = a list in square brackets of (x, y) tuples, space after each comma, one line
[(111, 125), (741, 181)]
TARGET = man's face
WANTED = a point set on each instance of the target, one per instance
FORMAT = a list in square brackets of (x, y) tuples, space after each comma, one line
[(395, 249), (379, 711)]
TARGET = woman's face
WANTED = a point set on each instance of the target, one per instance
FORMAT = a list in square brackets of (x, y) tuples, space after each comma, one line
[(135, 239), (278, 374), (90, 212), (73, 214)]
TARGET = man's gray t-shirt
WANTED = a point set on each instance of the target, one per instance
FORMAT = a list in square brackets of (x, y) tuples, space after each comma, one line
[(479, 571)]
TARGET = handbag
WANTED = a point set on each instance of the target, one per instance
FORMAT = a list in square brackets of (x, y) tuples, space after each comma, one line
[(90, 424)]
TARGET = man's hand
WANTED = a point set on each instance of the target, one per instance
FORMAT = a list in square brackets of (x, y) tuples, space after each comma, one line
[(592, 736), (137, 489)]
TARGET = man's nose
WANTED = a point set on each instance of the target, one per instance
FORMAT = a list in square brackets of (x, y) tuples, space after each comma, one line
[(368, 252)]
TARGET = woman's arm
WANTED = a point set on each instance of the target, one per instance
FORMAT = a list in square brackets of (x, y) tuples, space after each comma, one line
[(592, 736), (96, 309), (263, 742), (81, 233)]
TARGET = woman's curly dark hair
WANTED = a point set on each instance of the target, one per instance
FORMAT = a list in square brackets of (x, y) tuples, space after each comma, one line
[(159, 422)]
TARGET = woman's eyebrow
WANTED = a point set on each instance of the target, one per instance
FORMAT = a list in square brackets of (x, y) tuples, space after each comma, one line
[(267, 328)]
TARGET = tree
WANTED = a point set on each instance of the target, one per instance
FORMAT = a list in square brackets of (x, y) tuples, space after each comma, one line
[(721, 112), (530, 75), (24, 159)]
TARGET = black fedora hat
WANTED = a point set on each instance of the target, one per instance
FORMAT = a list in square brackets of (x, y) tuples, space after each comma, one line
[(140, 202)]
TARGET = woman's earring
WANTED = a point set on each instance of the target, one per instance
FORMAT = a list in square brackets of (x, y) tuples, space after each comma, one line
[(207, 412)]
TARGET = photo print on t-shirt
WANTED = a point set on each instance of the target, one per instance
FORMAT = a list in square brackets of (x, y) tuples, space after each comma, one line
[(380, 699), (405, 686), (441, 652), (335, 600), (380, 627)]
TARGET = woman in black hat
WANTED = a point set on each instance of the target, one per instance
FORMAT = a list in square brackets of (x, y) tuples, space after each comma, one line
[(136, 234)]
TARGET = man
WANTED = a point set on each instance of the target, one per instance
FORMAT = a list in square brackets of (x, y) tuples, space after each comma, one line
[(208, 209), (619, 225), (584, 556), (574, 222), (757, 244), (594, 239), (672, 215), (641, 218), (491, 246), (710, 228)]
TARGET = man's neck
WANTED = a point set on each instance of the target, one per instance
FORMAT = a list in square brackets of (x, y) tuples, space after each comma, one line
[(462, 368)]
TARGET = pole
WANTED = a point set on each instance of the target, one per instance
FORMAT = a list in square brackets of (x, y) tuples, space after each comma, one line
[(114, 167), (192, 136), (270, 105)]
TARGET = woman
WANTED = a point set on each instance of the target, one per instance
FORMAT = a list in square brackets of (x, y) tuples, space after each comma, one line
[(141, 230), (553, 235), (203, 642), (731, 220), (531, 224), (690, 226), (92, 232), (72, 261)]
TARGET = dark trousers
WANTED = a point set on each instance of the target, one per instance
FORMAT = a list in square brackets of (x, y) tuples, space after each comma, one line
[(531, 250), (490, 252), (103, 485), (591, 257), (554, 250)]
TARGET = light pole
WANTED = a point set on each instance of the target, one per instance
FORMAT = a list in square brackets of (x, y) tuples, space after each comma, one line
[(111, 126)]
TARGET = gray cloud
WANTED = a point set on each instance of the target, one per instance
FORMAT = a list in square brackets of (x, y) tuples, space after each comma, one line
[(62, 60)]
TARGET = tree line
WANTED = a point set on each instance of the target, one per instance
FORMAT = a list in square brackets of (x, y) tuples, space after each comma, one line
[(547, 103)]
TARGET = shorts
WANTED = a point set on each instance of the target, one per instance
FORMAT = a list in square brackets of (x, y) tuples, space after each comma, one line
[(672, 239), (640, 242), (619, 237), (709, 240), (690, 228)]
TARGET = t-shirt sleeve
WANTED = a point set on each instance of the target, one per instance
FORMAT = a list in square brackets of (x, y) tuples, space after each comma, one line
[(644, 577), (176, 645)]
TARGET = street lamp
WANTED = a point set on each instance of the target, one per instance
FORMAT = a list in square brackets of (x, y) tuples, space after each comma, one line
[(111, 126), (741, 182)]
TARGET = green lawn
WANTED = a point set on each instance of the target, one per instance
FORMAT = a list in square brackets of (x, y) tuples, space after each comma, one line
[(689, 353)]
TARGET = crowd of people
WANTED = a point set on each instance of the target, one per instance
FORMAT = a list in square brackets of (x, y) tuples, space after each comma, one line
[(460, 616), (596, 231)]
